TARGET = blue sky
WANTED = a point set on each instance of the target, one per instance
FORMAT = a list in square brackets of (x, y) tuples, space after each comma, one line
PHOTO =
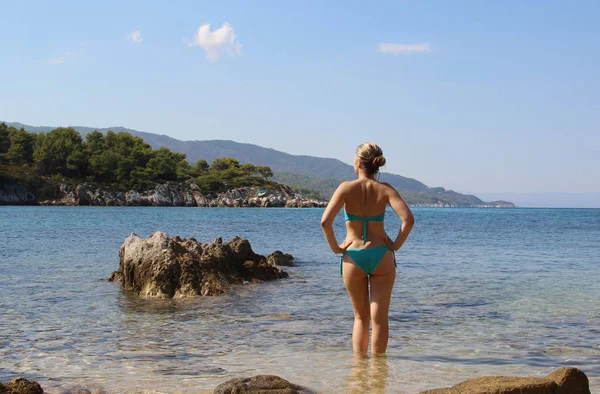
[(477, 96)]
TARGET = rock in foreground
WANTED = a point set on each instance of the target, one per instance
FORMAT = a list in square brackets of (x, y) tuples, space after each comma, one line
[(21, 386), (561, 381), (260, 384), (162, 266)]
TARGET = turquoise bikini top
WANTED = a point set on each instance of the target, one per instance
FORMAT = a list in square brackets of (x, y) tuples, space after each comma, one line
[(365, 219)]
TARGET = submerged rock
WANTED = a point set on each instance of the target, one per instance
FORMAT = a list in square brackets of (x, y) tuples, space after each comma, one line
[(21, 386), (260, 384), (165, 267), (562, 381), (280, 258)]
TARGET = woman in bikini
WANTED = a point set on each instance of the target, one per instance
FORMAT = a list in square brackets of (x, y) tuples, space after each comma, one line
[(367, 264)]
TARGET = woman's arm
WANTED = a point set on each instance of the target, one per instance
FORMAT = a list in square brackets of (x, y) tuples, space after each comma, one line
[(333, 208), (403, 211)]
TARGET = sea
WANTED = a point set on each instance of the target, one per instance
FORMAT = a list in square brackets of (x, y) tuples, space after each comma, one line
[(477, 292)]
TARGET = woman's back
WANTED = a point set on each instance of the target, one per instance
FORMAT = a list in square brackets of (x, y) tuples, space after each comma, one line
[(365, 198)]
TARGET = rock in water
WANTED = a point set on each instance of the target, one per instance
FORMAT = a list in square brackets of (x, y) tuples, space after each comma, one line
[(165, 267), (561, 381), (260, 384), (21, 386), (570, 381), (280, 258)]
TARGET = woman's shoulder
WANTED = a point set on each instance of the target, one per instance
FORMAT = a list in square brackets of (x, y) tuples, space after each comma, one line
[(358, 183), (387, 188), (344, 188), (348, 184)]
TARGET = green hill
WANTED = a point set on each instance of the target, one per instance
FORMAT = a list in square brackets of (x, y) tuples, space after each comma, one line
[(299, 171), (314, 167), (43, 161)]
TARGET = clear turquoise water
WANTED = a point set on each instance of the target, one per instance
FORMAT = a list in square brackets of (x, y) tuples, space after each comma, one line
[(478, 291)]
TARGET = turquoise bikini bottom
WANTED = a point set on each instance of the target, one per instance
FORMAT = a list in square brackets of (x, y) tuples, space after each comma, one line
[(367, 259)]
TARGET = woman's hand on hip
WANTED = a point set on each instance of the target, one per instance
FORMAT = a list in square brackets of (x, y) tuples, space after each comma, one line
[(343, 246), (388, 241)]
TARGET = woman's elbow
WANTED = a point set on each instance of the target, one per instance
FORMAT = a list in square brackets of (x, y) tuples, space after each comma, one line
[(326, 222), (410, 220)]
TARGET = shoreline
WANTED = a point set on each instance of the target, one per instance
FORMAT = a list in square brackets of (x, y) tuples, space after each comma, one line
[(360, 374), (45, 204), (186, 194)]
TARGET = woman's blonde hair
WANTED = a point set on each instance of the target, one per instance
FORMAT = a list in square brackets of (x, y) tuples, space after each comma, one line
[(371, 157)]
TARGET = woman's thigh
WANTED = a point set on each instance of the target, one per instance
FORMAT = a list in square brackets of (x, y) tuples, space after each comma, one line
[(357, 285), (381, 285)]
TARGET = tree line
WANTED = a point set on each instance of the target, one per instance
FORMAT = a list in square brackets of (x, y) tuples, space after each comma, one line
[(117, 160)]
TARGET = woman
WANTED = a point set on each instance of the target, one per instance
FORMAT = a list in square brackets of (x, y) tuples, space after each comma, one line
[(368, 266)]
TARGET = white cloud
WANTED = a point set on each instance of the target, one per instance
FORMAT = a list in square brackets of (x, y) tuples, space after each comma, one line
[(217, 41), (69, 56), (57, 60), (404, 49), (135, 37)]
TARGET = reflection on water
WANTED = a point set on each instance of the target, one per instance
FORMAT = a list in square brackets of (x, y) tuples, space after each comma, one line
[(368, 375)]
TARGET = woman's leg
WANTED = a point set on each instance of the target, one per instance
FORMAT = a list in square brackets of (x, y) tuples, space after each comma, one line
[(382, 282), (357, 285)]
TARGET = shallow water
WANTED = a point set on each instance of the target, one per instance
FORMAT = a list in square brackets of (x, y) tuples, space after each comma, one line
[(478, 291)]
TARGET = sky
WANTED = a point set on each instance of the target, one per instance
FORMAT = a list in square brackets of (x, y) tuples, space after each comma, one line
[(475, 96)]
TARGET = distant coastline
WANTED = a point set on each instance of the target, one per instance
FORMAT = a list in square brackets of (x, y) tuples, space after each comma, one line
[(138, 160), (491, 204), (548, 199), (118, 169), (184, 194)]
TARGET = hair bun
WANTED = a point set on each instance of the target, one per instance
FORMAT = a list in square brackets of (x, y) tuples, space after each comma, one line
[(379, 161), (371, 157)]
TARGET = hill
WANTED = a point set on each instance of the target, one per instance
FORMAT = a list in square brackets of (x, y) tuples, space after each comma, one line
[(302, 171), (313, 167)]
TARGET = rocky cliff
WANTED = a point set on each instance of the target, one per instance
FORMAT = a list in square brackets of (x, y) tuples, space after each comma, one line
[(185, 194)]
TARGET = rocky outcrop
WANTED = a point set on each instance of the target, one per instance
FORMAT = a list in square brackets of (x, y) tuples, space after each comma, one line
[(181, 195), (561, 381), (254, 197), (496, 204), (15, 194), (185, 194), (280, 258), (21, 386), (260, 384), (165, 267)]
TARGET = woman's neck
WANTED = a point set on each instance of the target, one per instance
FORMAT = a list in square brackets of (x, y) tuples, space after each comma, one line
[(366, 175)]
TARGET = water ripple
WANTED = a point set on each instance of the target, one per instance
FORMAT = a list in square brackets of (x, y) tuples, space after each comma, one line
[(477, 292)]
